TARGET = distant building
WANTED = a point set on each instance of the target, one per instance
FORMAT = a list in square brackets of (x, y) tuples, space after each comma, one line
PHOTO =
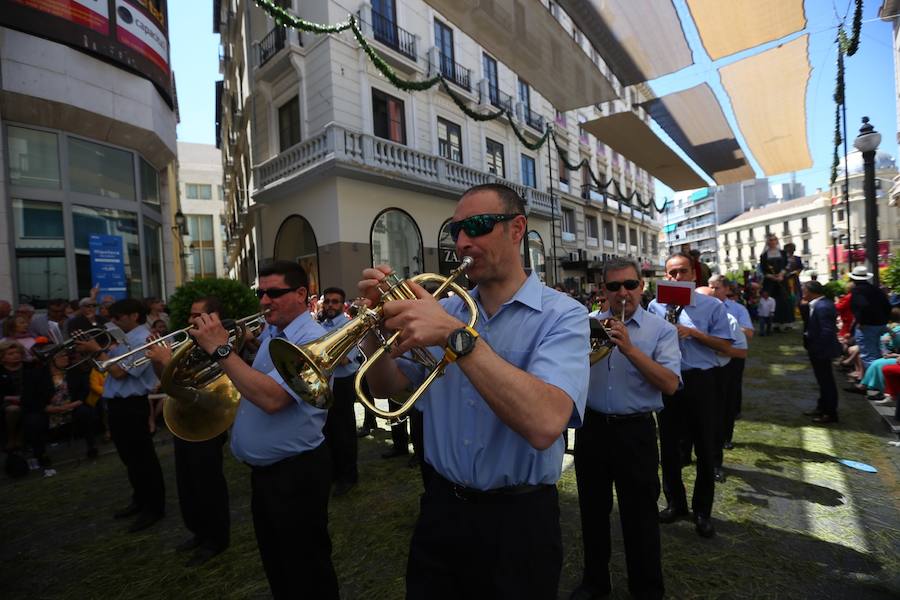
[(890, 11), (203, 205)]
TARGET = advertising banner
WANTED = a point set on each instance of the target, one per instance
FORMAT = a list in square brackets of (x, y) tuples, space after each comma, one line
[(108, 265)]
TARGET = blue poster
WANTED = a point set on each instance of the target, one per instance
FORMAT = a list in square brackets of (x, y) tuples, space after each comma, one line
[(108, 266)]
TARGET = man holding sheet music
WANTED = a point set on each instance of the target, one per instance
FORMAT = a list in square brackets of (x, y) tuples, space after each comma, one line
[(703, 330)]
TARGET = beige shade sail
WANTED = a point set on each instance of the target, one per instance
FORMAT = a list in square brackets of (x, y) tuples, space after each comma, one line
[(694, 120), (768, 96), (735, 25), (639, 39), (529, 40), (627, 134)]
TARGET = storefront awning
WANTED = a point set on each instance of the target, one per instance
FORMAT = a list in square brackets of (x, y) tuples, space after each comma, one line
[(627, 134), (694, 120), (639, 41), (729, 27), (524, 35), (768, 95)]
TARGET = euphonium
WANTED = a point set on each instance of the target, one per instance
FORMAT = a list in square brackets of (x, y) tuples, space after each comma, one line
[(601, 343), (307, 369)]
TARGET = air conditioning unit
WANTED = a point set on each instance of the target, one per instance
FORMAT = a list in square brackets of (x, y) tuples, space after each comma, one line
[(582, 254)]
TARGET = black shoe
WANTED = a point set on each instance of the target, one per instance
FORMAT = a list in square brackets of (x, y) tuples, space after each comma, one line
[(342, 487), (855, 390), (813, 413), (413, 462), (719, 475), (729, 445), (203, 555), (588, 592), (825, 419), (670, 514), (875, 397), (144, 520), (189, 544), (363, 432), (129, 511), (704, 526), (394, 453)]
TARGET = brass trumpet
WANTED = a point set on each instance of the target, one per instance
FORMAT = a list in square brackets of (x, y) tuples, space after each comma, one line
[(602, 344), (307, 369), (105, 338)]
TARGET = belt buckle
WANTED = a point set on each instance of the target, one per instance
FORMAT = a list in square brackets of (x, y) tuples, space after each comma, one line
[(458, 492)]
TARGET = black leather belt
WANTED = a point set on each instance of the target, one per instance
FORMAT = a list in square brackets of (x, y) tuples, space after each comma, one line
[(611, 418), (494, 495)]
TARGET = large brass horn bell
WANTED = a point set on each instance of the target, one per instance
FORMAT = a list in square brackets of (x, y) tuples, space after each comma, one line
[(307, 369)]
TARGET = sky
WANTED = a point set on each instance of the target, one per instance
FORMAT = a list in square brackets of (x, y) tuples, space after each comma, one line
[(869, 80)]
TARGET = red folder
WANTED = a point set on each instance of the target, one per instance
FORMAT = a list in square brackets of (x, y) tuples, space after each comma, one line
[(679, 293)]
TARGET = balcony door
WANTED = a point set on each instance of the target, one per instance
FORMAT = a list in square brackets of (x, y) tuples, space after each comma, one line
[(490, 73), (443, 41), (384, 21)]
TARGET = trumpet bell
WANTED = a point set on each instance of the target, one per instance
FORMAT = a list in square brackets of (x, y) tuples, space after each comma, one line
[(302, 371)]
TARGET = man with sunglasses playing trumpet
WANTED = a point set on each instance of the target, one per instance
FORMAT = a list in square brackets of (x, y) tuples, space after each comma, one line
[(280, 437), (616, 445), (489, 520)]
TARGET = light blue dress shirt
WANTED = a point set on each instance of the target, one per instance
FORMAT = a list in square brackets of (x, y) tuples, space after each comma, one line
[(141, 380), (540, 331), (708, 316), (259, 438), (617, 387), (353, 366), (740, 339), (739, 312)]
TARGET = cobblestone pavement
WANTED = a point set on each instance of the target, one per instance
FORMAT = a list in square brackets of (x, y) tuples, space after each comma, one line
[(792, 521)]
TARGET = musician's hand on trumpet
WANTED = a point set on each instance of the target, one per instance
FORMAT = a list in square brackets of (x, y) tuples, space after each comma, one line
[(618, 333), (422, 322), (159, 354), (208, 332), (86, 344)]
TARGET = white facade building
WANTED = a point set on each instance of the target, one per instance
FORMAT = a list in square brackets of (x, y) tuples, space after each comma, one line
[(203, 205)]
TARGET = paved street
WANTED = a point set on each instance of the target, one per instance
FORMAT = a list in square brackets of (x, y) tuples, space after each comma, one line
[(792, 522)]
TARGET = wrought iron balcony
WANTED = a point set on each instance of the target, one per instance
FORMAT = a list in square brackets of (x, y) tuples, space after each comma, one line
[(272, 43), (532, 119), (386, 31), (452, 71), (498, 98), (592, 192)]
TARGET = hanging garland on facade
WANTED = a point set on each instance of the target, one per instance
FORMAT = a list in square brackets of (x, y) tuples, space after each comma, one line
[(846, 46), (284, 18)]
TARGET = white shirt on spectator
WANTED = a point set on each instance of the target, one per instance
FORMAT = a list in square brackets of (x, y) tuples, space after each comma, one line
[(766, 307)]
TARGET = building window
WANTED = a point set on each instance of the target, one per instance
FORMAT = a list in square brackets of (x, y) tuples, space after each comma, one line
[(289, 124), (153, 259), (840, 214), (620, 235), (632, 235), (785, 230), (296, 242), (608, 234), (767, 230), (396, 241), (149, 189), (804, 225), (563, 169), (592, 231), (568, 224), (494, 154), (90, 221), (203, 248), (524, 94), (443, 40), (490, 73), (198, 191), (537, 255), (737, 236), (806, 246), (529, 176), (449, 140), (33, 158), (389, 117), (41, 271), (100, 170)]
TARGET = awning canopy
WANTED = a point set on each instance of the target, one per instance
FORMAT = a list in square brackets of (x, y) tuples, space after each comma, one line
[(729, 27), (768, 95), (639, 41), (526, 37), (694, 120), (627, 134)]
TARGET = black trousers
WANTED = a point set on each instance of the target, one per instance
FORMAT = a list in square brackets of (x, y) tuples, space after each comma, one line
[(828, 395), (36, 428), (128, 418), (290, 517), (505, 546), (202, 490), (691, 412), (621, 453), (735, 395), (340, 430), (723, 377)]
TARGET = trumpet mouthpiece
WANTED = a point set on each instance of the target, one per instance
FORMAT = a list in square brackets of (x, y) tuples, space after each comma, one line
[(466, 262)]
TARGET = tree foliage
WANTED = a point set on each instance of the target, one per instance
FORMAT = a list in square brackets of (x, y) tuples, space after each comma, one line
[(890, 276), (236, 298)]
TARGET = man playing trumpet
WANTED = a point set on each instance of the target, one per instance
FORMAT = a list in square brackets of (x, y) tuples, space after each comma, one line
[(489, 520)]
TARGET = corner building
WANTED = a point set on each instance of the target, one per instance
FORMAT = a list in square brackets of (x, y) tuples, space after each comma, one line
[(329, 164), (87, 150)]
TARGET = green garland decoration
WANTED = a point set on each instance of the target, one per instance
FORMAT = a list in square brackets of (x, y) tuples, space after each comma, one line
[(853, 44), (835, 160), (845, 46), (283, 17), (461, 104)]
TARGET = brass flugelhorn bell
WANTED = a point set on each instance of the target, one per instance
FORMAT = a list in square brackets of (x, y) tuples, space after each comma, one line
[(601, 343), (307, 369)]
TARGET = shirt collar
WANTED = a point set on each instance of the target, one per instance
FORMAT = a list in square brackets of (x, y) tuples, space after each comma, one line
[(294, 327), (529, 294)]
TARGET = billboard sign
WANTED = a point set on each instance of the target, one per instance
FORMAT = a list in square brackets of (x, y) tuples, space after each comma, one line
[(132, 34), (108, 265)]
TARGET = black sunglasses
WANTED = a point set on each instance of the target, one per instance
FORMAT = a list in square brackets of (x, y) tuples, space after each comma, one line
[(478, 225), (274, 292), (630, 284)]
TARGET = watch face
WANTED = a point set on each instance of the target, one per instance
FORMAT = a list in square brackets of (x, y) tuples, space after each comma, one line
[(458, 341)]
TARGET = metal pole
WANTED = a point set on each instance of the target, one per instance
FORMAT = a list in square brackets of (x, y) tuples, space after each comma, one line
[(871, 214), (552, 214), (846, 172)]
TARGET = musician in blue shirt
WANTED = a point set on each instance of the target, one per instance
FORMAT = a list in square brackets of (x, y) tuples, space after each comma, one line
[(125, 392), (280, 437), (489, 520), (690, 413), (616, 445)]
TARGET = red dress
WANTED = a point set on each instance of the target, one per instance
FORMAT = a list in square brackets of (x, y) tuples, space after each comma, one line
[(846, 315)]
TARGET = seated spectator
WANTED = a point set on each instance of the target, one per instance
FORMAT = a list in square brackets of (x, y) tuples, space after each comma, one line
[(872, 381), (86, 318), (53, 398), (159, 328), (11, 374), (155, 312), (16, 329)]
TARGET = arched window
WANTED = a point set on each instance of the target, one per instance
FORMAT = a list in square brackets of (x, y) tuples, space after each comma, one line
[(536, 254), (296, 242), (396, 241), (447, 259)]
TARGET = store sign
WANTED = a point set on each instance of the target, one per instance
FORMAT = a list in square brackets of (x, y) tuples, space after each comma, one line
[(447, 259), (131, 33), (108, 265), (858, 254)]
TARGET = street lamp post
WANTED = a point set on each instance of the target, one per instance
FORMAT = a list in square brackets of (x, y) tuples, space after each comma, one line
[(835, 236), (867, 143)]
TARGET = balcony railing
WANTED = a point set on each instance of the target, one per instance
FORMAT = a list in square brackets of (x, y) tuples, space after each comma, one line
[(387, 32), (453, 71), (532, 119), (591, 192), (498, 99), (272, 43)]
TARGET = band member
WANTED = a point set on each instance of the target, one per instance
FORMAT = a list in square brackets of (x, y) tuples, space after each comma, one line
[(727, 383), (489, 520), (690, 412), (202, 488), (340, 426), (280, 437), (617, 442), (125, 393)]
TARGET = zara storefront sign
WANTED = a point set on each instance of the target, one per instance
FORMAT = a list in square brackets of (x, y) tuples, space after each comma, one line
[(108, 265)]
